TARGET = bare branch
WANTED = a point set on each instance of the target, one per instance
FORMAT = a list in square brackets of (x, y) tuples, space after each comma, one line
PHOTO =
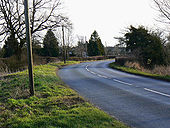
[(44, 14), (163, 7)]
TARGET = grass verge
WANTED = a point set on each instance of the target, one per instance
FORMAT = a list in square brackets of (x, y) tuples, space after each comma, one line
[(138, 72), (54, 105)]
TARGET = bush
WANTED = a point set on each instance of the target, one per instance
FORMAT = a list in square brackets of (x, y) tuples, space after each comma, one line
[(147, 46), (12, 64), (134, 65), (160, 70), (91, 58), (122, 60)]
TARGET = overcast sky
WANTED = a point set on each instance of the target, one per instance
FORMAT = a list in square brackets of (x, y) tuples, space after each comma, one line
[(109, 17)]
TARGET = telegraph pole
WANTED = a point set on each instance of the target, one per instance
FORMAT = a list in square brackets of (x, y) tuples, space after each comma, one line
[(86, 46), (29, 48), (105, 49), (64, 49)]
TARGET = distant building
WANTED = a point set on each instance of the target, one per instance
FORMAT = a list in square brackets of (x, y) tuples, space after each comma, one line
[(115, 51)]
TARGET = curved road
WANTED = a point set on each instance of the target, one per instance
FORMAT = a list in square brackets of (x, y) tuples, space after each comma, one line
[(137, 101)]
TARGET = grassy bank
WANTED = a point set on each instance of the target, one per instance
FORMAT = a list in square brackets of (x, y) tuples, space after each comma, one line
[(54, 104), (138, 72), (13, 64)]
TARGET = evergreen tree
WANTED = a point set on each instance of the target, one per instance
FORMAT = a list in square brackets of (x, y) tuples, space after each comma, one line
[(10, 47), (95, 46), (50, 44), (146, 46)]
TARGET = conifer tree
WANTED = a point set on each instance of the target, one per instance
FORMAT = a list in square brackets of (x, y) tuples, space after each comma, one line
[(50, 44), (11, 46), (95, 46)]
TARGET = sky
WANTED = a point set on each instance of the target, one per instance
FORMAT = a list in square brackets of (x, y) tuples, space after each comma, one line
[(109, 17)]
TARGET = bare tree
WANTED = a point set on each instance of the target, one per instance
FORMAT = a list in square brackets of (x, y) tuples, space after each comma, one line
[(68, 37), (163, 6), (44, 14), (81, 46)]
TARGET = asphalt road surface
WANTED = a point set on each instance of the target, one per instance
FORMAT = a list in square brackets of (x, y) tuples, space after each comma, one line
[(139, 102)]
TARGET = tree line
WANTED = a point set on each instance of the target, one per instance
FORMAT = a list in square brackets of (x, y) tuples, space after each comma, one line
[(44, 15), (50, 46)]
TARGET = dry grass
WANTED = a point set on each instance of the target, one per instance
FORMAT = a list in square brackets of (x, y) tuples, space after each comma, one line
[(134, 65), (160, 70), (91, 58), (12, 64)]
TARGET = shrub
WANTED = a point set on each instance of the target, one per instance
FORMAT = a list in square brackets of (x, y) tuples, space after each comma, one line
[(122, 60), (91, 58), (12, 64), (160, 70), (134, 65)]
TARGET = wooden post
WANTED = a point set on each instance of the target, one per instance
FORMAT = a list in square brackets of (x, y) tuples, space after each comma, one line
[(105, 50), (86, 46), (64, 49), (29, 48)]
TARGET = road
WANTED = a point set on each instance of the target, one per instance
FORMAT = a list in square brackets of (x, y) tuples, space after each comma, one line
[(138, 101)]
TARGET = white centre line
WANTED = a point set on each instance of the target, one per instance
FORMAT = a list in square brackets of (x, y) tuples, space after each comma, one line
[(99, 75), (160, 93), (122, 82), (125, 83), (87, 67), (90, 71)]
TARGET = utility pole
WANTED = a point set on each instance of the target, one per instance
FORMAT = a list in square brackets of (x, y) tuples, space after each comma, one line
[(86, 46), (105, 49), (64, 49), (29, 48), (68, 45)]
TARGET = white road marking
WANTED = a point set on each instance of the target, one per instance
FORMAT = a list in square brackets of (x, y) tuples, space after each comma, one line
[(103, 76), (90, 71), (122, 82), (87, 67), (160, 93), (125, 83), (99, 75)]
